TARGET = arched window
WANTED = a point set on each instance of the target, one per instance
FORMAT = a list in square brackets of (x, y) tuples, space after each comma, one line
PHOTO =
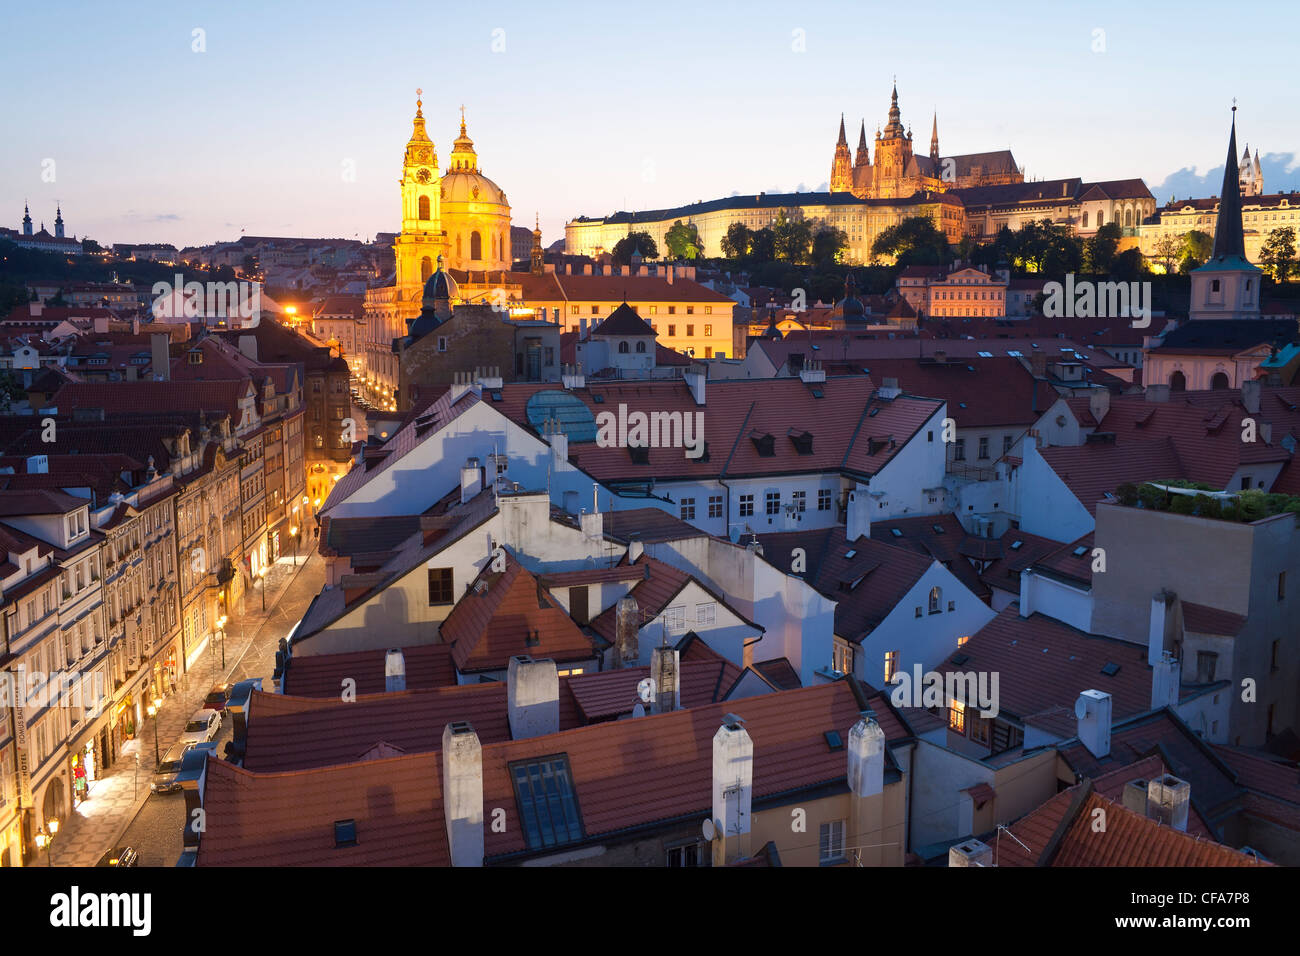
[(424, 207), (1220, 380), (1178, 382), (458, 250), (1085, 220), (936, 599), (426, 269), (475, 246), (640, 347), (505, 244), (1101, 219), (1128, 217), (622, 348), (494, 246)]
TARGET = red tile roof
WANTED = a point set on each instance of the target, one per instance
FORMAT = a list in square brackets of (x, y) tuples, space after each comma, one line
[(511, 615), (609, 694), (1094, 470), (1204, 619), (865, 587), (427, 665), (981, 393), (659, 584), (780, 673), (941, 537), (221, 396)]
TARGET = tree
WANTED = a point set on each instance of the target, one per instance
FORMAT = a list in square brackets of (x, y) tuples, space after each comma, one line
[(11, 389), (1197, 247), (1166, 251), (737, 241), (914, 241), (11, 297), (683, 241), (1278, 253), (828, 246), (1100, 248), (792, 236), (762, 245), (641, 242), (1129, 265)]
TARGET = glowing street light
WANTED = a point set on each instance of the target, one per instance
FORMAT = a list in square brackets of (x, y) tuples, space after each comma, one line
[(153, 712)]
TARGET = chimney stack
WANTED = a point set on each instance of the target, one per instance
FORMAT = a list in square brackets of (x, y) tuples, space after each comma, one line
[(1093, 710), (1166, 625), (626, 624), (1250, 394), (1165, 682), (394, 670), (1157, 393), (866, 758), (664, 668), (160, 343), (462, 793), (1099, 403), (733, 790), (858, 518), (970, 853), (1168, 800), (1135, 796), (471, 480), (533, 692)]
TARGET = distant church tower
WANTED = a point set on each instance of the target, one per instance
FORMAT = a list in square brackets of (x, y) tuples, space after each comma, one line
[(1227, 286), (538, 264), (58, 222), (422, 239), (863, 157), (842, 165), (1251, 177), (27, 220), (934, 141), (893, 154)]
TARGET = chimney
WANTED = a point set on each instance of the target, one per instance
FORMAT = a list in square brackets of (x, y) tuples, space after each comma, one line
[(812, 372), (866, 758), (38, 464), (237, 706), (858, 518), (1038, 364), (462, 793), (625, 270), (970, 853), (568, 268), (1027, 592), (733, 790), (1135, 796), (471, 480), (1168, 800), (192, 778), (664, 668), (670, 270), (1165, 682), (1157, 393), (1099, 403), (571, 377), (559, 445), (161, 359), (593, 525), (696, 378), (586, 269), (889, 389), (394, 671), (626, 625), (1093, 712), (533, 691), (1250, 393), (1166, 625), (634, 551), (941, 356)]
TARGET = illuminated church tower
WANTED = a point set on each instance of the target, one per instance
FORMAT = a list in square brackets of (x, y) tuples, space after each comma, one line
[(422, 239), (842, 165)]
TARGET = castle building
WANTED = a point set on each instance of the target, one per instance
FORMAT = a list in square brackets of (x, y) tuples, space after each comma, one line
[(41, 240)]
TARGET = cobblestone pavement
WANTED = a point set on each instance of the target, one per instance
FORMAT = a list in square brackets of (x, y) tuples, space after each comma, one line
[(106, 819)]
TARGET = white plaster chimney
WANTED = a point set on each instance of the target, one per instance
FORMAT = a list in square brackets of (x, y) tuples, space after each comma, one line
[(664, 668), (970, 853), (1026, 592), (866, 758), (394, 670), (1093, 712), (696, 378), (1165, 627), (858, 517), (1135, 796), (1099, 403), (1250, 394), (1165, 680), (733, 790), (1168, 800), (533, 693), (626, 625), (462, 793), (471, 480), (634, 550)]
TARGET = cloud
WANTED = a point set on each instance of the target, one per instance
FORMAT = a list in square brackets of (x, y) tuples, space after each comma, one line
[(1281, 174)]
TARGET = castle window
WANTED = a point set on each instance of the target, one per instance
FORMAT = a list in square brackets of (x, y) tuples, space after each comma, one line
[(424, 207), (475, 246), (640, 346), (622, 348)]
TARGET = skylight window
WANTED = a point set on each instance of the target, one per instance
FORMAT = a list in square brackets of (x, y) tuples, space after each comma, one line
[(547, 804), (1111, 669), (937, 528), (1014, 353), (345, 833), (895, 532), (1080, 551), (850, 554), (986, 354), (1016, 545), (833, 740)]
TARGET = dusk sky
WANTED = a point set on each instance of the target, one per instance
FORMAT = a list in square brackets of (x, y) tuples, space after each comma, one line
[(593, 108)]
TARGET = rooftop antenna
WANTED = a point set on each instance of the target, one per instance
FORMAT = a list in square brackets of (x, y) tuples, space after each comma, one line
[(997, 840)]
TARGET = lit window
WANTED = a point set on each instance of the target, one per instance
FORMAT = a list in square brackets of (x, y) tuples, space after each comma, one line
[(891, 666), (957, 717)]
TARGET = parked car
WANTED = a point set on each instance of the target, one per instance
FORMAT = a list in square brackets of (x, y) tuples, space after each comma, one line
[(169, 768), (217, 697), (202, 726), (120, 856)]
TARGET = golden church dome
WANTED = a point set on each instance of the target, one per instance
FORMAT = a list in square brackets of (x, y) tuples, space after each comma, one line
[(471, 187)]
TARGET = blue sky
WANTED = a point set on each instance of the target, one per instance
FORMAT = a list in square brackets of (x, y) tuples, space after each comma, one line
[(593, 107)]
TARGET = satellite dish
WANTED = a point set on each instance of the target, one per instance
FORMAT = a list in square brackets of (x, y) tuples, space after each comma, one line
[(645, 689), (1081, 708), (709, 830)]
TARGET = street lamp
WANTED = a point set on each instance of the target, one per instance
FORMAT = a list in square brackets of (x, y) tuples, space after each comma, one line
[(262, 576), (153, 712), (293, 532), (44, 839), (221, 627)]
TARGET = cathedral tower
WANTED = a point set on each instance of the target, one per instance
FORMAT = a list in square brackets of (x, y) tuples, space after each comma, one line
[(893, 155), (842, 165), (934, 142), (58, 222), (422, 239), (27, 220), (863, 157)]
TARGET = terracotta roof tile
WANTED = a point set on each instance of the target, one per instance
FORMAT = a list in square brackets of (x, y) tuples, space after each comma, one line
[(322, 676)]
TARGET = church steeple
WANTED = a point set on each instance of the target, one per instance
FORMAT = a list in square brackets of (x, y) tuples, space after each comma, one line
[(58, 222), (538, 266), (934, 139), (863, 158), (1228, 238), (842, 164), (463, 157), (27, 220), (894, 128)]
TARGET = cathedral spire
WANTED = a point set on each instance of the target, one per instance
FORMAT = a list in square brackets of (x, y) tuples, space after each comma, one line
[(842, 141), (58, 221), (934, 138), (27, 219), (1228, 238), (895, 126), (863, 157)]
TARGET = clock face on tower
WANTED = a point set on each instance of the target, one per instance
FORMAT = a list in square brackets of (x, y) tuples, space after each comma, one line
[(422, 176)]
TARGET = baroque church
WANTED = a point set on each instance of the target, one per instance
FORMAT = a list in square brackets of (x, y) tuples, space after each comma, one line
[(898, 172)]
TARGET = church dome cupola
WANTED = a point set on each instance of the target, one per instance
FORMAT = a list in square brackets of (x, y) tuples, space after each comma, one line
[(463, 157), (419, 148)]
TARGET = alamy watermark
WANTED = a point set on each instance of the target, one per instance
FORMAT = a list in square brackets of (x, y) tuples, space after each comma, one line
[(651, 430), (1087, 299), (931, 689), (236, 299), (37, 689)]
